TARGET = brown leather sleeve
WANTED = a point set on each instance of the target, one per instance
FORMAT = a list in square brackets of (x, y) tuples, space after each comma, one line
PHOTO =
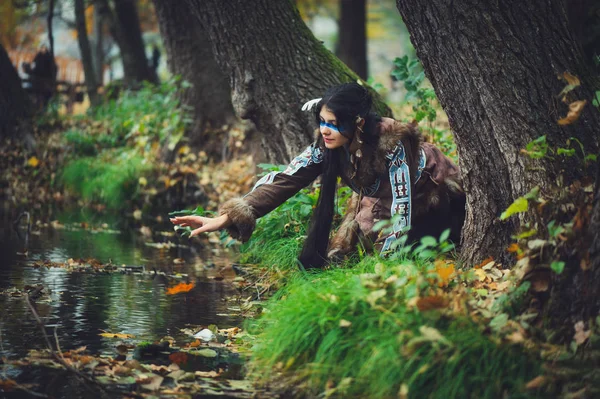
[(266, 197)]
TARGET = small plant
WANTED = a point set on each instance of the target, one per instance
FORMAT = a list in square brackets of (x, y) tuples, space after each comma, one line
[(410, 71), (423, 100)]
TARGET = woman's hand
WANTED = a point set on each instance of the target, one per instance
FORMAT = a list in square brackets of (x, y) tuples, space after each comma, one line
[(200, 224)]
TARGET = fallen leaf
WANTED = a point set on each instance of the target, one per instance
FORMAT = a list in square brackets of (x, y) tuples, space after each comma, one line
[(178, 358), (537, 382), (484, 262), (445, 270), (179, 288), (106, 334), (206, 352), (575, 109), (345, 323), (581, 335), (571, 79), (480, 274), (403, 393), (515, 337), (209, 374), (431, 302), (374, 296), (33, 162), (432, 334), (151, 383)]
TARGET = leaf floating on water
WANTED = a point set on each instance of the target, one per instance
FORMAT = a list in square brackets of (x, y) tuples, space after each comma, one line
[(179, 288), (151, 383), (178, 358), (107, 334), (205, 335)]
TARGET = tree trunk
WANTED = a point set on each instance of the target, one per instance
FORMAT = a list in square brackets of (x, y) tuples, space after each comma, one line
[(99, 46), (125, 28), (86, 53), (274, 65), (49, 25), (15, 107), (352, 46), (189, 54), (494, 67)]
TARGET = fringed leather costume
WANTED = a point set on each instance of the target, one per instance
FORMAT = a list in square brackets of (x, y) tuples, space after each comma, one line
[(401, 175)]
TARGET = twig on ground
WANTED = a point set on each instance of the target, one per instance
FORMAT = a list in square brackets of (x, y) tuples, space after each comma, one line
[(16, 384), (59, 358)]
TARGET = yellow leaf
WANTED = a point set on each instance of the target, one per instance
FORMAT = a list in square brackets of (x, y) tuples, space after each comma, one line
[(514, 247), (480, 274), (571, 79), (184, 150), (445, 270), (33, 162), (106, 334), (575, 109)]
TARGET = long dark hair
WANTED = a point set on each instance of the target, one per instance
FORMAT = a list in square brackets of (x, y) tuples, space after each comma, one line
[(347, 102)]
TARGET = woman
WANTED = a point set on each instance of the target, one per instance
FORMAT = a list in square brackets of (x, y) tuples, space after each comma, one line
[(384, 162)]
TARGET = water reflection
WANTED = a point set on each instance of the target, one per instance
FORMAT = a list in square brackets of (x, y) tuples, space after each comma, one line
[(82, 304)]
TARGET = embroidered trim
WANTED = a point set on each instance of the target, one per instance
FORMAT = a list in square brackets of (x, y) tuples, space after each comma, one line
[(399, 174), (401, 191), (311, 155)]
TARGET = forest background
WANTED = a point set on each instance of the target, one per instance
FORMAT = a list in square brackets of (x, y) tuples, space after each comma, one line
[(519, 84)]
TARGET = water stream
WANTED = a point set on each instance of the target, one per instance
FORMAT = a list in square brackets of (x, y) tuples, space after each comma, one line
[(81, 305)]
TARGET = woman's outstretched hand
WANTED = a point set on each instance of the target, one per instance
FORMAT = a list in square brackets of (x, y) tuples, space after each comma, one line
[(200, 224)]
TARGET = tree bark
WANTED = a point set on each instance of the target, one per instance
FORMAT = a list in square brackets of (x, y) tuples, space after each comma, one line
[(99, 46), (86, 53), (125, 28), (49, 25), (494, 67), (15, 107), (189, 54), (274, 65), (352, 47)]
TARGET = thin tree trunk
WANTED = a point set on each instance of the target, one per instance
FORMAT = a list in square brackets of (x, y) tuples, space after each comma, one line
[(494, 67), (352, 47), (125, 28), (189, 54), (275, 65), (15, 107), (86, 52), (49, 25), (99, 46)]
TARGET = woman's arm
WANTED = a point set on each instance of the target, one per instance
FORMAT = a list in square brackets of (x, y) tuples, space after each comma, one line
[(201, 224), (271, 191)]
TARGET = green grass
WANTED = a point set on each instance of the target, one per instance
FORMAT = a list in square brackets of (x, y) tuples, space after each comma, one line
[(111, 180), (388, 343)]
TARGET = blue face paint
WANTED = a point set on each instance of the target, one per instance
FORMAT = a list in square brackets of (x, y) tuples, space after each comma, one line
[(330, 126)]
